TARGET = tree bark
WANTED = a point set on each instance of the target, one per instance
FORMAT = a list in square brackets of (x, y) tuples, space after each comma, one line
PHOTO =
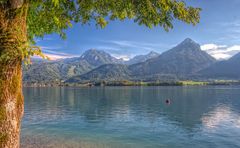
[(12, 38)]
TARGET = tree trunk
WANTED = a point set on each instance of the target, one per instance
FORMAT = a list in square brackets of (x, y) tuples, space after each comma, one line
[(12, 38)]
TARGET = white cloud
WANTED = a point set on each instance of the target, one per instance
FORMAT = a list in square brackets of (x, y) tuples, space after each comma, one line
[(234, 48), (133, 44), (221, 52), (54, 55), (57, 57), (50, 47), (123, 57), (230, 31), (221, 56), (207, 47)]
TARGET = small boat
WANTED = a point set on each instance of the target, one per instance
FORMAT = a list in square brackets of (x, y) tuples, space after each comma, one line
[(168, 101)]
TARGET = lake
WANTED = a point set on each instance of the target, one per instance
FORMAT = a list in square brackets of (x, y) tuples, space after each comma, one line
[(119, 117)]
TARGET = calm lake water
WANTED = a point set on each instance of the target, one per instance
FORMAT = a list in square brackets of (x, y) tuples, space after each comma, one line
[(138, 117)]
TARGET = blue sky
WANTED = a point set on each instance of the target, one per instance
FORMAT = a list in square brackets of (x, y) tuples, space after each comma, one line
[(218, 33)]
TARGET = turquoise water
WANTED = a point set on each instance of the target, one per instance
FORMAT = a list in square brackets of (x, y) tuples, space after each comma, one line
[(132, 117)]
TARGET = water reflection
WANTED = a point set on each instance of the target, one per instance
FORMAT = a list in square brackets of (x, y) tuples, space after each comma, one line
[(221, 116), (135, 116)]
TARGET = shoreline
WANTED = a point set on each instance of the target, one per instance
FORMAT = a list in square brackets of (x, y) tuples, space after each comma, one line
[(131, 83)]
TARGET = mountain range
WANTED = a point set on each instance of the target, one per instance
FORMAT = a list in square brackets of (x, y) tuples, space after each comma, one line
[(67, 68), (224, 69), (183, 62), (185, 59)]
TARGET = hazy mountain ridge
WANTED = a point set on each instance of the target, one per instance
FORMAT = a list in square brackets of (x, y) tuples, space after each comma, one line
[(224, 69), (142, 58)]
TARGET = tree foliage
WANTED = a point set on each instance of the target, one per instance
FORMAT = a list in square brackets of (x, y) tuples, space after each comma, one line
[(55, 16)]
